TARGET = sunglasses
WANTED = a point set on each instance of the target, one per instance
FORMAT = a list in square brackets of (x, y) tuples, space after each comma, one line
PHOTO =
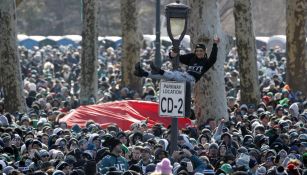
[(44, 156)]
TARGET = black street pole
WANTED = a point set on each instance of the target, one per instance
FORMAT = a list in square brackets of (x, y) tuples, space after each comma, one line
[(158, 33), (175, 11), (174, 135), (174, 127)]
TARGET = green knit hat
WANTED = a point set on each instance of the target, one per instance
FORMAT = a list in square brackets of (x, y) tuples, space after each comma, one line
[(226, 168)]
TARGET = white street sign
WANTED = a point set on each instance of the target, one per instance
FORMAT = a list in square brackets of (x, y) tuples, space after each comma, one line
[(172, 99)]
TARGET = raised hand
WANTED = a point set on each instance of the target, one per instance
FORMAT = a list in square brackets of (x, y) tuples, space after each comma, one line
[(216, 39), (173, 54)]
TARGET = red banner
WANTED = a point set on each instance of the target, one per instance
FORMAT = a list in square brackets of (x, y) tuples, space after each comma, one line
[(123, 113)]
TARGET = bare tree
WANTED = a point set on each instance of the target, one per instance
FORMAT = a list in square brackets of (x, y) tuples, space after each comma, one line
[(245, 40), (10, 71), (131, 42), (210, 98), (89, 84), (296, 44)]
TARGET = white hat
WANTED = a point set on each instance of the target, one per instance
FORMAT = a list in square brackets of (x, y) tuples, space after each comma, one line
[(57, 130), (3, 164), (261, 171), (32, 86), (3, 120)]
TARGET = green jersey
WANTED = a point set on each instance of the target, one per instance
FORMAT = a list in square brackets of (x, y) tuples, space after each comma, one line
[(119, 162)]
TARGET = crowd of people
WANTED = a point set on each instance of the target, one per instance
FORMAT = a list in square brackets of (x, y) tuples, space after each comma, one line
[(265, 139)]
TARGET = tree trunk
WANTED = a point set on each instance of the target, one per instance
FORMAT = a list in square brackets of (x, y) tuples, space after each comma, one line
[(210, 98), (131, 43), (296, 71), (245, 40), (10, 71), (89, 85), (18, 2)]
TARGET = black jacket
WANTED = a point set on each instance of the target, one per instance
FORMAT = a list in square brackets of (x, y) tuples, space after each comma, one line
[(197, 67)]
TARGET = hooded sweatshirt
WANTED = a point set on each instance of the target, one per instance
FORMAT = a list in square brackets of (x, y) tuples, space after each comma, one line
[(187, 141), (294, 108)]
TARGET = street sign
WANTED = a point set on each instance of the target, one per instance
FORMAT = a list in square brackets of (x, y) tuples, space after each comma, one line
[(172, 100)]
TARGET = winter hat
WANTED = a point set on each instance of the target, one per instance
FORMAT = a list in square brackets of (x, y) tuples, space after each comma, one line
[(32, 87), (76, 128), (277, 146), (120, 135), (3, 121), (243, 106), (284, 102), (242, 149), (93, 137), (243, 160), (226, 134), (164, 143), (292, 169), (282, 152), (60, 141), (200, 46), (43, 153), (113, 127), (148, 136), (55, 153), (226, 168), (280, 170), (88, 154), (41, 121), (294, 148), (266, 99), (247, 137), (70, 159), (56, 131), (58, 172), (3, 164), (61, 165), (164, 166), (302, 137), (278, 96), (214, 146), (37, 142), (25, 118), (279, 108), (259, 139), (261, 171), (272, 151), (113, 142), (8, 169), (137, 135), (260, 110), (294, 108)]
